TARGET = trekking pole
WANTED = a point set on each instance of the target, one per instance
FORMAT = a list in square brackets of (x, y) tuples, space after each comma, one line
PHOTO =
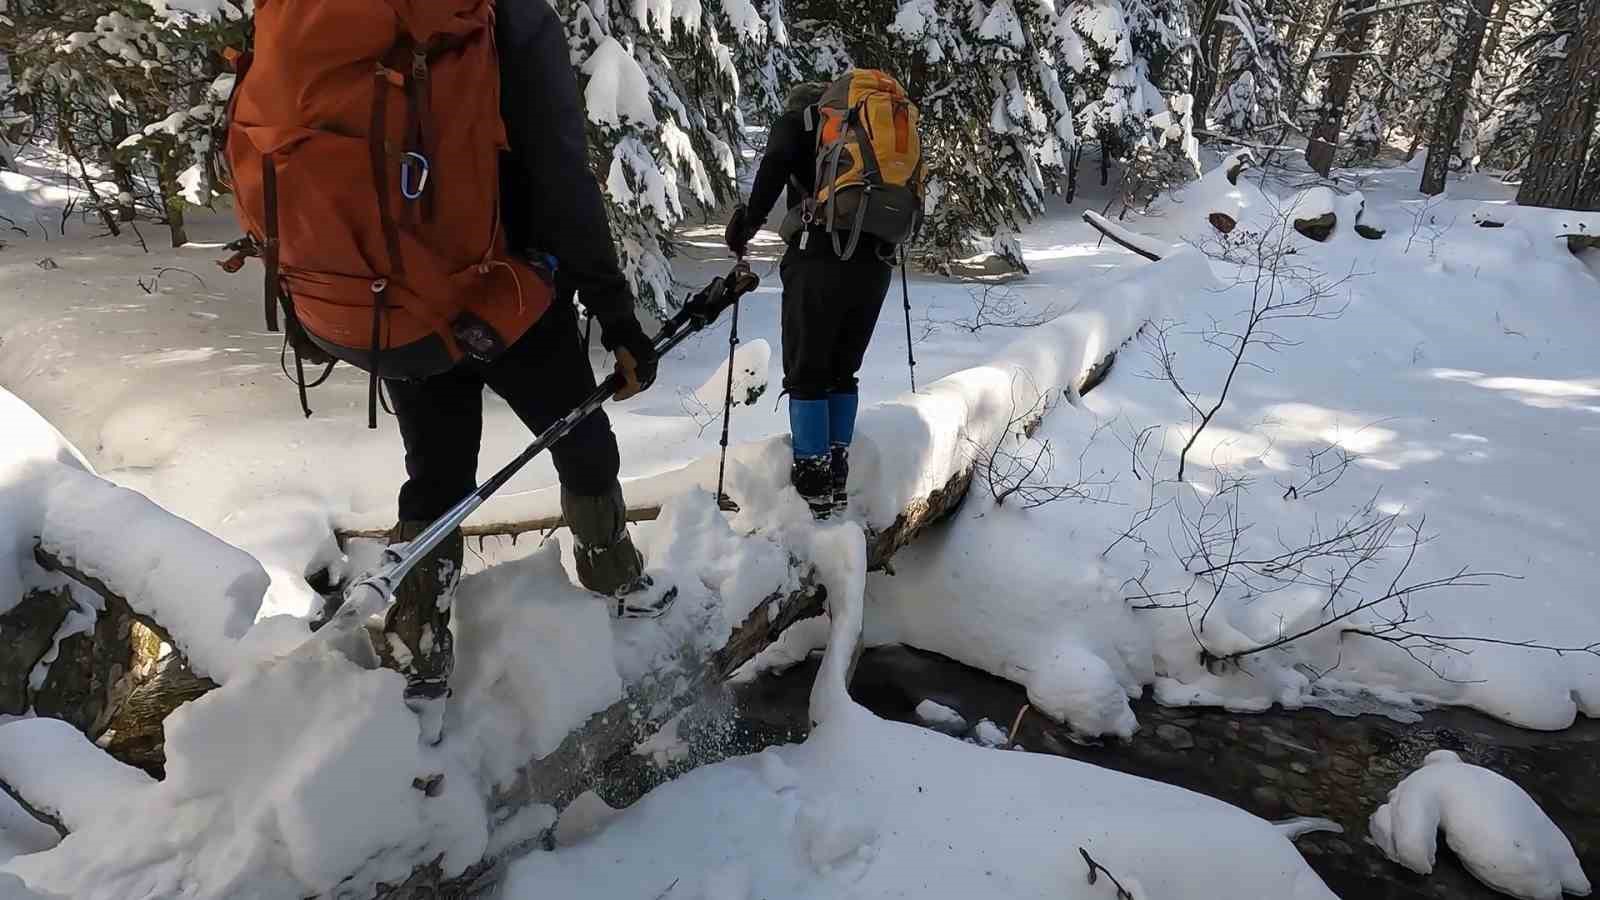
[(905, 292), (368, 596), (727, 400)]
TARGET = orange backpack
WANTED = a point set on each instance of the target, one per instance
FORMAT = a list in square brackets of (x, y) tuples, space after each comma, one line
[(364, 141)]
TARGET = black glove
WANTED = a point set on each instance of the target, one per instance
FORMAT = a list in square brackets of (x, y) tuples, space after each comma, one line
[(636, 356), (739, 231)]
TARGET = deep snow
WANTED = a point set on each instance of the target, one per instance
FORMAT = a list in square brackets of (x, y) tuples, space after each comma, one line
[(1458, 376)]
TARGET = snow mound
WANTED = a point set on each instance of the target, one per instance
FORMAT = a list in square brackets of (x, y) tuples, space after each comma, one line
[(1501, 835), (534, 657), (252, 808), (60, 773), (752, 361)]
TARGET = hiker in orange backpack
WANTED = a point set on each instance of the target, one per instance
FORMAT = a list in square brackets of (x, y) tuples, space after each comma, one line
[(416, 176), (849, 157)]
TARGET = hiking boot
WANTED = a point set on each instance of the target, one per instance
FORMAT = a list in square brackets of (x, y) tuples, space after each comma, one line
[(416, 630), (812, 477), (607, 561), (839, 460)]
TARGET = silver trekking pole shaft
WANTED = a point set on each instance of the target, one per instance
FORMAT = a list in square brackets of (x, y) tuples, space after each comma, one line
[(371, 593)]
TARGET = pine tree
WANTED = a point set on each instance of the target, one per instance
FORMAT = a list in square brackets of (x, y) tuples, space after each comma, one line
[(1258, 72), (1472, 19), (1532, 53), (1352, 24), (661, 82)]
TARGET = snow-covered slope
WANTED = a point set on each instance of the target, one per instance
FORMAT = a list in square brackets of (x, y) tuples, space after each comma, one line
[(1459, 385)]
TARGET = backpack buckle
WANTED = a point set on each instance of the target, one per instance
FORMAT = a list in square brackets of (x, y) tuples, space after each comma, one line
[(406, 163)]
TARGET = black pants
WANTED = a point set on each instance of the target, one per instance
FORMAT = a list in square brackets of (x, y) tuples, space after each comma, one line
[(830, 308), (542, 376)]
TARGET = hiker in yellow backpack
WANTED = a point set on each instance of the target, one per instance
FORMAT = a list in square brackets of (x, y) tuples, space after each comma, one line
[(848, 155)]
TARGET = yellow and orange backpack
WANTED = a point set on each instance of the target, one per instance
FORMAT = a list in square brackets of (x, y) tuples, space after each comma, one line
[(869, 177)]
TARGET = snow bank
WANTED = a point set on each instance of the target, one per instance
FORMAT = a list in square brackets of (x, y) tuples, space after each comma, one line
[(1500, 834), (204, 592), (752, 363), (61, 773), (1445, 378), (281, 784)]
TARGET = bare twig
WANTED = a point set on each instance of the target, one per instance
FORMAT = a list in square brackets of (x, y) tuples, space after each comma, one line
[(1321, 473), (1094, 873), (995, 307)]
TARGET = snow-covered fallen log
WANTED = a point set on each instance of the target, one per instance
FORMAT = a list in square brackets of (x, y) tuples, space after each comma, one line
[(1581, 230), (59, 776), (199, 593), (102, 590), (1146, 247)]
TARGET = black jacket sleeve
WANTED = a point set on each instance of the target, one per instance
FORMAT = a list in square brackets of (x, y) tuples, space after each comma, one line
[(785, 158), (551, 200)]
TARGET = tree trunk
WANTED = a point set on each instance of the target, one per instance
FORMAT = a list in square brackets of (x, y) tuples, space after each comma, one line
[(1389, 62), (1298, 88), (167, 181), (69, 145), (1352, 41), (1589, 193), (121, 172), (1447, 119), (1073, 159), (1555, 169), (1208, 65), (1497, 25)]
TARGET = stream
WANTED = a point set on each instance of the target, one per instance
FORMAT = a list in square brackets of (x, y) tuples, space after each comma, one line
[(1276, 764)]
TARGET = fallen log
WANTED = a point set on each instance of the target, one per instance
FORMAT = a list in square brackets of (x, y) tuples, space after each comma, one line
[(1122, 236), (27, 632), (97, 673)]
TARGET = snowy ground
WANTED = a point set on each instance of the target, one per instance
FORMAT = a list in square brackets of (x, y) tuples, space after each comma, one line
[(1459, 377)]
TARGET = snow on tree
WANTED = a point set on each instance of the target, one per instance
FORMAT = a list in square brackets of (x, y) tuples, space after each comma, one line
[(1258, 72), (661, 81), (134, 90)]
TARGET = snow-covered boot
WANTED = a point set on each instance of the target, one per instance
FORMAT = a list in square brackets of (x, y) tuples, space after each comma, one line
[(607, 561), (839, 459), (416, 630), (812, 477)]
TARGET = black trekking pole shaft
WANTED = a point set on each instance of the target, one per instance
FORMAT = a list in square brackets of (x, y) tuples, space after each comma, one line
[(905, 292), (727, 401)]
